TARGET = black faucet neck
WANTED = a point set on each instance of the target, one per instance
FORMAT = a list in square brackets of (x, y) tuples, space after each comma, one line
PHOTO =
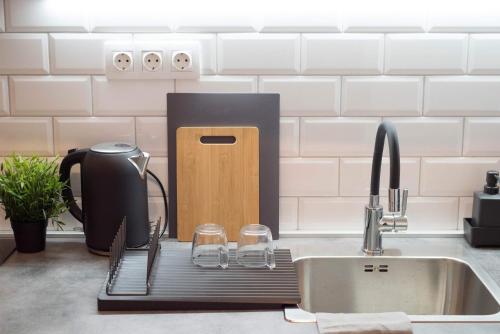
[(385, 129)]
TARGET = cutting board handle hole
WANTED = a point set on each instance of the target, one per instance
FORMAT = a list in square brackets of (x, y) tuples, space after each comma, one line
[(209, 140)]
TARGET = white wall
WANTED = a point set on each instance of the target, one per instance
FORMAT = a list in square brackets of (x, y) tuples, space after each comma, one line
[(433, 68)]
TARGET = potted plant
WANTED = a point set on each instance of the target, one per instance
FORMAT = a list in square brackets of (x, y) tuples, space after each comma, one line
[(30, 192)]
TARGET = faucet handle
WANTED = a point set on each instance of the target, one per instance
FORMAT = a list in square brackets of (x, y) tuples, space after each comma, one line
[(404, 202)]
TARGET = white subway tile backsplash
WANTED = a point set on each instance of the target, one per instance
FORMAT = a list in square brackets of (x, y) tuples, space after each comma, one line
[(129, 16), (462, 96), (309, 177), (332, 213), (50, 96), (208, 43), (159, 166), (35, 15), (215, 17), (482, 136), (315, 17), (342, 53), (484, 54), (432, 213), (464, 211), (454, 176), (289, 208), (130, 97), (382, 96), (463, 16), (26, 135), (4, 96), (258, 53), (156, 209), (24, 54), (429, 136), (384, 16), (355, 176), (82, 132), (426, 53), (289, 136), (79, 53), (218, 84), (304, 96), (2, 16), (151, 135), (330, 136)]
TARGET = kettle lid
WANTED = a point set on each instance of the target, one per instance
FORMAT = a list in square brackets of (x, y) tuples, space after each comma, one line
[(113, 147)]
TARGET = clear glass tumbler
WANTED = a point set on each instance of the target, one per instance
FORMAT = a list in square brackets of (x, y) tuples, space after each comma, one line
[(210, 247), (255, 247)]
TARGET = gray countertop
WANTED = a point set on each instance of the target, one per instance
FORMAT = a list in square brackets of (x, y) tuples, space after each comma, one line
[(55, 291)]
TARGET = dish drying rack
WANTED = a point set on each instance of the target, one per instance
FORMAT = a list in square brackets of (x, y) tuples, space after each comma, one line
[(122, 259), (152, 278)]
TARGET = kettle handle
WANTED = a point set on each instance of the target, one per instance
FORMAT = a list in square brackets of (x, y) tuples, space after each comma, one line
[(74, 157)]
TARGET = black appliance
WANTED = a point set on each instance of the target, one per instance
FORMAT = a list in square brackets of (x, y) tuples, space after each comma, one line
[(114, 186)]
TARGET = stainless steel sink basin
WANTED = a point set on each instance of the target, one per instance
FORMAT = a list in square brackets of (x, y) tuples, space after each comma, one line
[(428, 289)]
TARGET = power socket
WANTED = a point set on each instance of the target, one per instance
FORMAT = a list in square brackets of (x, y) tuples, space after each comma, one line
[(182, 61), (123, 61), (152, 61)]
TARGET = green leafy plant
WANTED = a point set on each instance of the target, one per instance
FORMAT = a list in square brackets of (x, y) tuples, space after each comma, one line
[(30, 190)]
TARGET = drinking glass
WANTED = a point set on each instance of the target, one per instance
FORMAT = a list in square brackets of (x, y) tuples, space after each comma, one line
[(210, 246), (255, 247)]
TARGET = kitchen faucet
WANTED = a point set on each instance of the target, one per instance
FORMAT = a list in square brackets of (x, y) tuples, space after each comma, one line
[(395, 220)]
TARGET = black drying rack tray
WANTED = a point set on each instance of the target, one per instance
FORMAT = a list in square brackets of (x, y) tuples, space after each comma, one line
[(155, 279)]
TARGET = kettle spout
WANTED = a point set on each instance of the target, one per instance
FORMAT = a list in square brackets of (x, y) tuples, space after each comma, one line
[(140, 162)]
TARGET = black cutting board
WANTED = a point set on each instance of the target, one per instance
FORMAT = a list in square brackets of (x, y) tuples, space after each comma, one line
[(259, 110)]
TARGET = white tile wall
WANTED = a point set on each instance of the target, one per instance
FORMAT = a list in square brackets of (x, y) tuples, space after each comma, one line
[(342, 53), (343, 136), (314, 17), (159, 166), (382, 96), (128, 16), (440, 89), (208, 44), (4, 96), (304, 96), (454, 176), (36, 15), (482, 136), (432, 213), (79, 53), (26, 135), (484, 54), (309, 177), (289, 208), (355, 174), (151, 135), (463, 16), (50, 96), (289, 136), (2, 18), (462, 96), (429, 136), (258, 53), (465, 210), (125, 98), (384, 16), (426, 53), (24, 54), (218, 84), (331, 213), (82, 132)]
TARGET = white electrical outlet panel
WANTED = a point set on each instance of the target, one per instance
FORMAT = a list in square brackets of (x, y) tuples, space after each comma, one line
[(152, 59)]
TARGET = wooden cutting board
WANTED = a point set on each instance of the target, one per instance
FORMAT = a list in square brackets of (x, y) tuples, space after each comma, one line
[(217, 178)]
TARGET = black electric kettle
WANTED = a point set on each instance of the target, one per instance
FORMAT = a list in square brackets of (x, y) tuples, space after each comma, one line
[(114, 186)]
